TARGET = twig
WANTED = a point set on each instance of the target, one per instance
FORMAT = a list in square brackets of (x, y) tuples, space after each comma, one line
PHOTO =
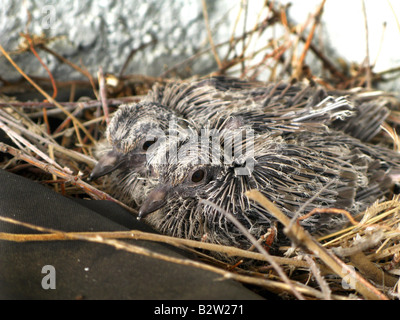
[(51, 154), (32, 47), (210, 39), (14, 135), (50, 99), (299, 236), (62, 173), (283, 18), (132, 53), (363, 223), (103, 93), (246, 9), (391, 70), (394, 13), (330, 211), (50, 142), (128, 247), (309, 39), (231, 40), (368, 67), (198, 54), (46, 120), (380, 44), (320, 279), (254, 242), (369, 269), (67, 105), (393, 134), (78, 135), (86, 124), (260, 31), (140, 235), (301, 209), (276, 53), (72, 65), (358, 245), (325, 61), (67, 120)]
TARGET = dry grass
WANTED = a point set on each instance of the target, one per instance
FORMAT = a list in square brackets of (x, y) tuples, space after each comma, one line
[(361, 261)]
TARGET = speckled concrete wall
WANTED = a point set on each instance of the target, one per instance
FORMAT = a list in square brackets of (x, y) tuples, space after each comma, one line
[(103, 32)]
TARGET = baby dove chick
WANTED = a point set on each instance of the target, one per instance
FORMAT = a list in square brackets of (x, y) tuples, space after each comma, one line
[(299, 171)]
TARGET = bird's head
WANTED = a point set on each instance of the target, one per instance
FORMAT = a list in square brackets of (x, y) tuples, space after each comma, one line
[(198, 165), (132, 133)]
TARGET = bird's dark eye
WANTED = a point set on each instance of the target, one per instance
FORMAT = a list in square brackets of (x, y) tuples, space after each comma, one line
[(147, 144), (198, 176)]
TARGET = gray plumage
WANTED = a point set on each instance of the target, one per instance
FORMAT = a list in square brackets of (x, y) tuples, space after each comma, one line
[(297, 171), (277, 104), (283, 108)]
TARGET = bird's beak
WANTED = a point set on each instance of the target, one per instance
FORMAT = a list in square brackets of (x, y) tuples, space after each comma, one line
[(155, 200), (107, 164)]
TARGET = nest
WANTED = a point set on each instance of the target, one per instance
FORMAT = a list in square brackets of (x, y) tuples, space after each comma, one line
[(52, 142)]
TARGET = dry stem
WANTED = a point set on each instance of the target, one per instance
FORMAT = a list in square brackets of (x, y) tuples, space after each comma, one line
[(299, 236)]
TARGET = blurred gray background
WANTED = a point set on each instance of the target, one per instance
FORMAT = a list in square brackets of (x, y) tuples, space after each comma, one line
[(102, 33)]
